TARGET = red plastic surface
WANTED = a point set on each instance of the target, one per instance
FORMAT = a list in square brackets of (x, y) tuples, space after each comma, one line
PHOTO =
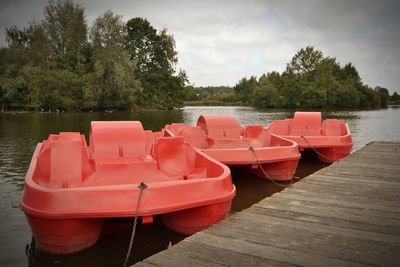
[(332, 139), (70, 187), (223, 138)]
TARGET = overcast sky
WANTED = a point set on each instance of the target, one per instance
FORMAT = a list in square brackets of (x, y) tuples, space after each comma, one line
[(219, 42)]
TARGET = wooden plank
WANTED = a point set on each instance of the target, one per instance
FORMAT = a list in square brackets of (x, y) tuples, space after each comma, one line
[(172, 258), (269, 252), (226, 256), (315, 219), (360, 187), (290, 238), (327, 189), (359, 184), (344, 215), (377, 237), (145, 264), (389, 206), (372, 168), (328, 211), (357, 178)]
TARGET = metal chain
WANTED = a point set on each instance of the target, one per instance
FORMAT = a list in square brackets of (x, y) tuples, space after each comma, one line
[(316, 151), (265, 173), (142, 186)]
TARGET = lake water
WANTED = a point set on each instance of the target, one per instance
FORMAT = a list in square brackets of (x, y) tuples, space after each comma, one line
[(20, 132)]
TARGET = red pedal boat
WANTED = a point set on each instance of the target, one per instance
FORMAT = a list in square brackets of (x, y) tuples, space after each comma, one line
[(224, 139), (331, 140), (70, 188)]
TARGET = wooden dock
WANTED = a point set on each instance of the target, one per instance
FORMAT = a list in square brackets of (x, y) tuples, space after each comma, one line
[(347, 214)]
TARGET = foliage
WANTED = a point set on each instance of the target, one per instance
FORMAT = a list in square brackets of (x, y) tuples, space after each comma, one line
[(395, 99), (245, 88), (155, 56), (66, 30), (217, 95), (61, 64), (311, 80), (113, 82)]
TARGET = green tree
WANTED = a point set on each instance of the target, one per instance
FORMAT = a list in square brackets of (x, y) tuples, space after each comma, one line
[(67, 31), (155, 55), (384, 95), (244, 89), (351, 72), (395, 98), (113, 83), (22, 51), (265, 94), (305, 61)]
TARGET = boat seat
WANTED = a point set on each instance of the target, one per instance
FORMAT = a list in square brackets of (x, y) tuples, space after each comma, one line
[(109, 173), (118, 139), (257, 135), (60, 161), (216, 126), (332, 127), (170, 154), (306, 123), (225, 143)]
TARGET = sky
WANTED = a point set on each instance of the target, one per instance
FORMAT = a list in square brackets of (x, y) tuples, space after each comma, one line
[(220, 42)]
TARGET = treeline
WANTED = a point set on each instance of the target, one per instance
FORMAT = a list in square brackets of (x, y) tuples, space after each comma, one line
[(210, 96), (394, 99), (310, 80), (61, 63)]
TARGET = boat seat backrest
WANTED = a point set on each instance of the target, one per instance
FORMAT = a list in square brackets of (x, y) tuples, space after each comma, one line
[(257, 135), (332, 127), (195, 136), (220, 126), (118, 139), (65, 160), (280, 127), (150, 139), (176, 128), (306, 123), (170, 154)]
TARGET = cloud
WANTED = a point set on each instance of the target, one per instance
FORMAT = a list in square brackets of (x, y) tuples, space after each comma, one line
[(219, 42)]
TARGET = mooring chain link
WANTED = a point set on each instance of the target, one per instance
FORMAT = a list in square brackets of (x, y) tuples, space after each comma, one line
[(142, 186), (265, 173), (316, 151)]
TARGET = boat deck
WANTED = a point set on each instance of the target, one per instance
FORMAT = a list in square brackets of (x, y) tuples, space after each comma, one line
[(347, 214)]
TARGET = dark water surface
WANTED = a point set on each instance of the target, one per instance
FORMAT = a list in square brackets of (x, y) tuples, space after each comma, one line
[(20, 132)]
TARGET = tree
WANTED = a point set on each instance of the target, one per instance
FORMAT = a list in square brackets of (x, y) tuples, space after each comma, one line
[(265, 94), (108, 30), (300, 72), (19, 54), (67, 31), (304, 61), (152, 50), (51, 64), (245, 89), (395, 98), (351, 72), (155, 55), (113, 83), (384, 95)]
